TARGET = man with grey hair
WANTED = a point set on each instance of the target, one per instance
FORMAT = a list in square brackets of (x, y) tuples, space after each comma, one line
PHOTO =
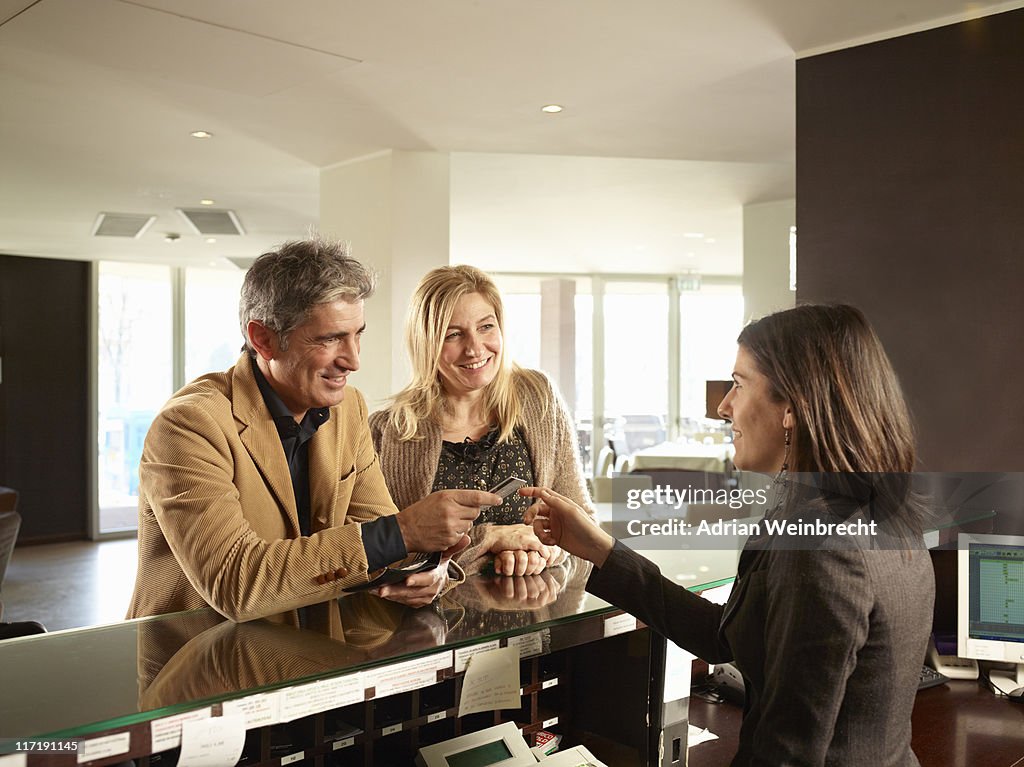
[(259, 488)]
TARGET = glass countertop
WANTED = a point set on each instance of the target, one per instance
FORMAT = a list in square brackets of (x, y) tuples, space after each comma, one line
[(68, 684)]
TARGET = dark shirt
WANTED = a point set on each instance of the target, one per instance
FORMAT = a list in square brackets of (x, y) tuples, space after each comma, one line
[(382, 538), (482, 464)]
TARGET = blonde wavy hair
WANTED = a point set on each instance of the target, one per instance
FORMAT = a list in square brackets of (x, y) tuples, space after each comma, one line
[(430, 313)]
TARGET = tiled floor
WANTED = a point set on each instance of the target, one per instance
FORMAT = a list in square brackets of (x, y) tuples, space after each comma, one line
[(69, 585)]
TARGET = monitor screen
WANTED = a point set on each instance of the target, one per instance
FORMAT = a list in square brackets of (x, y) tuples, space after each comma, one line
[(480, 756), (990, 623)]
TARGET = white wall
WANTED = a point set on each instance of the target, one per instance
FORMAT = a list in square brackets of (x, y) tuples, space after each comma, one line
[(393, 207), (766, 257)]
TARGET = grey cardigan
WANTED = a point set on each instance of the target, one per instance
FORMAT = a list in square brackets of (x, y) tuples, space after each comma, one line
[(548, 431)]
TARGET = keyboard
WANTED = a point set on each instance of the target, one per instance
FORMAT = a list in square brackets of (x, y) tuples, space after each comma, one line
[(929, 678)]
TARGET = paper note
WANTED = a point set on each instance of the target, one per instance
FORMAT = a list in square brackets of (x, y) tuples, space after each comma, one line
[(696, 736), (215, 742), (491, 681), (14, 760)]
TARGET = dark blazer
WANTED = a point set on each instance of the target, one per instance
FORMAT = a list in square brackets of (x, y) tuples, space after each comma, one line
[(829, 642)]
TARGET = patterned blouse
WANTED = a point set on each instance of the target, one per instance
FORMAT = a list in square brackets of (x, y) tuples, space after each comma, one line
[(481, 465)]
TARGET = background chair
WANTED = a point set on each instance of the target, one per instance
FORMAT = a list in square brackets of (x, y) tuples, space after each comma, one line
[(10, 523)]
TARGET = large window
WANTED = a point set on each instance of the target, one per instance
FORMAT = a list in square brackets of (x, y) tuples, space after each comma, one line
[(709, 321), (654, 362), (139, 308), (213, 339), (636, 364), (134, 379)]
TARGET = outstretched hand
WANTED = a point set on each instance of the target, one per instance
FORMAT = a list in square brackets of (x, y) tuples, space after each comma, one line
[(560, 522)]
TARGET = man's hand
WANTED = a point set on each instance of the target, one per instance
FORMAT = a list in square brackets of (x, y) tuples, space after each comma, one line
[(442, 519), (421, 589)]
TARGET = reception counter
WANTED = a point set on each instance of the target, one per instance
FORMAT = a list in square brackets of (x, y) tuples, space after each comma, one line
[(355, 681)]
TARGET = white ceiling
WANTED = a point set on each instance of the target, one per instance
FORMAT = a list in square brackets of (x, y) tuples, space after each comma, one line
[(676, 114)]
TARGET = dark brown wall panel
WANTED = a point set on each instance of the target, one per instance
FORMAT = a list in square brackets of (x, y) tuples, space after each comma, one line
[(44, 401), (910, 204)]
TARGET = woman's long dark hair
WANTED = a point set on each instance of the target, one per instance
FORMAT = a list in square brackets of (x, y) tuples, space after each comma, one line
[(853, 426)]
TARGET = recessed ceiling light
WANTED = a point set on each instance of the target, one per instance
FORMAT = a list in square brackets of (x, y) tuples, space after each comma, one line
[(551, 108), (201, 134), (207, 202), (211, 240)]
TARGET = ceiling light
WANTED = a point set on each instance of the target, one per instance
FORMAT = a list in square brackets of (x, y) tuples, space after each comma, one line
[(551, 108), (211, 240), (694, 235), (172, 237), (201, 134), (207, 202)]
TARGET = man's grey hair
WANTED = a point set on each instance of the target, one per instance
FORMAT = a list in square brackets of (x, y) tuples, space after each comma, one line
[(283, 285)]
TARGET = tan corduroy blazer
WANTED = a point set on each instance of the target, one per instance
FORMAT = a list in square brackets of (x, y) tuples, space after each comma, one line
[(218, 523)]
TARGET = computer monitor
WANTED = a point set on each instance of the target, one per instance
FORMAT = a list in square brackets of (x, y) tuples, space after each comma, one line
[(990, 604)]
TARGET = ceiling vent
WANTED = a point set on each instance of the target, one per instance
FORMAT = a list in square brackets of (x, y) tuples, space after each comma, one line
[(121, 224), (211, 221)]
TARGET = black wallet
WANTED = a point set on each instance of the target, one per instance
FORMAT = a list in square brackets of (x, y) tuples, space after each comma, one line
[(398, 573)]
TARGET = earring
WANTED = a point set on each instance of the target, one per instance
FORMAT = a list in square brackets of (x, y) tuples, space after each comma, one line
[(785, 457)]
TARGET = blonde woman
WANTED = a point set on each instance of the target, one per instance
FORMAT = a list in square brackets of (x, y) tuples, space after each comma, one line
[(470, 418)]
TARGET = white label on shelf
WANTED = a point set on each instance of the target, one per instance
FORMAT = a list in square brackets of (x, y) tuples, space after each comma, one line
[(343, 743), (528, 644), (14, 760), (214, 742), (300, 701), (437, 716), (463, 654), (549, 683), (296, 757), (166, 732), (389, 730), (343, 690), (410, 675), (549, 722), (101, 748), (259, 710), (323, 695), (620, 624)]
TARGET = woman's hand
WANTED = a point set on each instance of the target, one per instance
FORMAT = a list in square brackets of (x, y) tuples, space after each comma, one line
[(518, 551), (560, 522), (528, 593)]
